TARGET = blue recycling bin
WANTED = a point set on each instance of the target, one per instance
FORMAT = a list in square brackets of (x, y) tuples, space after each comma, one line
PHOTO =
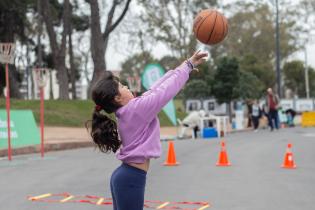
[(209, 133)]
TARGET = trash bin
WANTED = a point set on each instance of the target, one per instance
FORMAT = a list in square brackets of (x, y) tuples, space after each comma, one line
[(209, 133)]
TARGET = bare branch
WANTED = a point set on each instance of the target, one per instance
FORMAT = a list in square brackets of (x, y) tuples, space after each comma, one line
[(110, 27), (49, 26)]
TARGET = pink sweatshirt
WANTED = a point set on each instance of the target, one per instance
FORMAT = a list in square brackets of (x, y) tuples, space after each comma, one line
[(138, 124)]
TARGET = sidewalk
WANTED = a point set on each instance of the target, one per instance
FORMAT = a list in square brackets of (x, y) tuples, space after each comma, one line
[(62, 138)]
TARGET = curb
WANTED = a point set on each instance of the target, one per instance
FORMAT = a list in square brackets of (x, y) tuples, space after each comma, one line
[(71, 145), (241, 130), (48, 147)]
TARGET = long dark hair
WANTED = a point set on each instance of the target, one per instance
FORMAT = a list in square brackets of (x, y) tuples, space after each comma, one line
[(104, 130)]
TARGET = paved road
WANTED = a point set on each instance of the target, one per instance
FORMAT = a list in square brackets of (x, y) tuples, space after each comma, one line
[(255, 181)]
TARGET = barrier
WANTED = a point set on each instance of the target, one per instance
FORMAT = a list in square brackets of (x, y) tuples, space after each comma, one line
[(308, 119)]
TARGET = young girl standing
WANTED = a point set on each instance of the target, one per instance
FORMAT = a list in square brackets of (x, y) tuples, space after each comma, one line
[(136, 137)]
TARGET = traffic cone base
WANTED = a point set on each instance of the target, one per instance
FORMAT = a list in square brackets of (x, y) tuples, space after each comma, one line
[(171, 156), (288, 159), (289, 167), (171, 164), (220, 164), (223, 157)]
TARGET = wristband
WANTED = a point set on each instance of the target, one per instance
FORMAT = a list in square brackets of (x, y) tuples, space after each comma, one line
[(190, 65)]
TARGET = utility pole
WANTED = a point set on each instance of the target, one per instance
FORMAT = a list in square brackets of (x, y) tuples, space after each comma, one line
[(307, 86), (278, 51)]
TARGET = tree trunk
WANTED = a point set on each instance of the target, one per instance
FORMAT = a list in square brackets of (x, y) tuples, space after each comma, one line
[(14, 82), (51, 92), (97, 42), (62, 76), (72, 67), (230, 111), (58, 52), (13, 74)]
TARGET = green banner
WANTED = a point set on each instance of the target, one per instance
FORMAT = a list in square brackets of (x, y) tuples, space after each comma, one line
[(151, 73), (24, 130)]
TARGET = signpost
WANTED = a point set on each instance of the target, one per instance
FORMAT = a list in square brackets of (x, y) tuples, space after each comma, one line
[(41, 76), (23, 130), (7, 51)]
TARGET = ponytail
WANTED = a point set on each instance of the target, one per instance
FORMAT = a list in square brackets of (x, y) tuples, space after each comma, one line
[(104, 132)]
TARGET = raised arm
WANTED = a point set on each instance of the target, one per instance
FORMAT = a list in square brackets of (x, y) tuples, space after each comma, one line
[(150, 104)]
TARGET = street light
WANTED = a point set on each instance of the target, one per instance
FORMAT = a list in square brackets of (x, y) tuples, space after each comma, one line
[(307, 84), (278, 51), (278, 73)]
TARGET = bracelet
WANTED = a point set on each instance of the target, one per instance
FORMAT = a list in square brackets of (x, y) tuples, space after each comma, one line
[(190, 65)]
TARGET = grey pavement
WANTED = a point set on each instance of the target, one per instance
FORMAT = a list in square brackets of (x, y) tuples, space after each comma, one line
[(255, 181)]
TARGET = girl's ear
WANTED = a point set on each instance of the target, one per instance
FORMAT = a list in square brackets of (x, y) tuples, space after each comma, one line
[(117, 99)]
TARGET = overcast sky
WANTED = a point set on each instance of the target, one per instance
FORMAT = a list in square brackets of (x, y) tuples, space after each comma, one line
[(115, 57)]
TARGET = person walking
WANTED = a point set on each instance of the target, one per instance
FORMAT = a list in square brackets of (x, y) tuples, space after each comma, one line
[(272, 105), (256, 114), (135, 138)]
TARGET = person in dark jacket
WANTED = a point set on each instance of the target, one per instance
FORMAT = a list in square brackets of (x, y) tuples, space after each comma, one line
[(272, 105)]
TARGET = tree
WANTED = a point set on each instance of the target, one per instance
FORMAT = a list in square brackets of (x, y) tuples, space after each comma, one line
[(226, 80), (311, 75), (294, 78), (58, 49), (251, 32), (169, 62), (170, 23), (99, 39), (134, 65), (306, 10), (250, 87), (13, 23), (196, 89), (250, 64), (77, 24)]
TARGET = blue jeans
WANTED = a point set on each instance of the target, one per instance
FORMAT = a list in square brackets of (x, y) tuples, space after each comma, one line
[(273, 116), (127, 185)]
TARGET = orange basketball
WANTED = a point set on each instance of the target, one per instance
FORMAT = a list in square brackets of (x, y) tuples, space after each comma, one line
[(210, 27)]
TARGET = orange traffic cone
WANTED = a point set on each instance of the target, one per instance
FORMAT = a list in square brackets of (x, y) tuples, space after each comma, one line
[(223, 157), (171, 156), (288, 158)]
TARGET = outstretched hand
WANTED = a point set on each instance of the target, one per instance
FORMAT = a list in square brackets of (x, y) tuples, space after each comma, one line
[(198, 58)]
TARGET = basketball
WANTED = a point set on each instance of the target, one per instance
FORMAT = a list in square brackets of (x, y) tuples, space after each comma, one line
[(210, 27)]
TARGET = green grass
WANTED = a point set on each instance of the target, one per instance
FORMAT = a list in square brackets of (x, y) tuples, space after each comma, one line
[(73, 113)]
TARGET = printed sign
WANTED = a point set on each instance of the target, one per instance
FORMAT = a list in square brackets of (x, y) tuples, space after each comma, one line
[(152, 73), (24, 130), (304, 105)]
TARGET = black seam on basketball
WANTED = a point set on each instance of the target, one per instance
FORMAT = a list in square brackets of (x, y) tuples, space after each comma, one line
[(215, 20), (202, 23)]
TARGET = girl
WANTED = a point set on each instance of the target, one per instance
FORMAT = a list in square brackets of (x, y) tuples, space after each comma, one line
[(137, 133), (256, 114)]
